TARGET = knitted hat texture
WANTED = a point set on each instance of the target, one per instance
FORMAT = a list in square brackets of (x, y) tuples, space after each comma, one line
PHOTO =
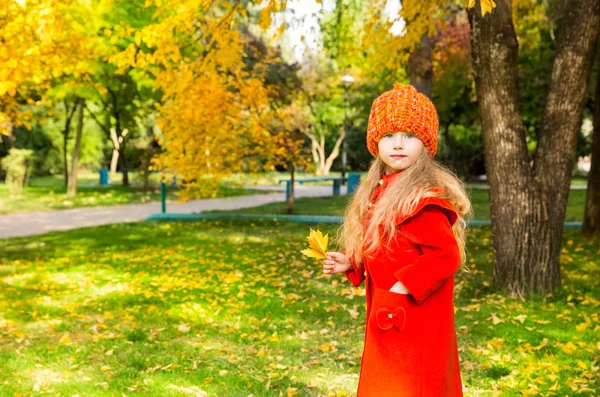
[(403, 109)]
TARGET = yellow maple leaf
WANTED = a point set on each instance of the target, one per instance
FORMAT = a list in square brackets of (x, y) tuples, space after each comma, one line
[(487, 6), (65, 339), (318, 245)]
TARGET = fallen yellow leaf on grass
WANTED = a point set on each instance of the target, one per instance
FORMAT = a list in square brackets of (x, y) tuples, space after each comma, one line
[(65, 339), (318, 245), (192, 390)]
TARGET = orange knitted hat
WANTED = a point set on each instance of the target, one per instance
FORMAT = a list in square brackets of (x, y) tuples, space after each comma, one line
[(403, 109)]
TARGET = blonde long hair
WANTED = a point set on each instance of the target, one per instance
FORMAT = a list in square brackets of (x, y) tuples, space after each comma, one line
[(403, 194)]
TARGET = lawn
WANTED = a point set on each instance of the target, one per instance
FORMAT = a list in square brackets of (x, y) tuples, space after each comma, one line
[(335, 205), (272, 178), (233, 309), (49, 193)]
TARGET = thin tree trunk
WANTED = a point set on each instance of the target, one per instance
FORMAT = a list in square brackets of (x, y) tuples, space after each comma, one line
[(115, 153), (65, 159), (147, 159), (451, 142), (69, 112), (334, 153), (591, 217), (323, 164), (528, 205), (123, 162), (121, 138), (72, 183), (12, 139), (290, 203)]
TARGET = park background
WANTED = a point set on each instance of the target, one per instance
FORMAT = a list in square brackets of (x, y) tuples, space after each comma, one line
[(102, 101)]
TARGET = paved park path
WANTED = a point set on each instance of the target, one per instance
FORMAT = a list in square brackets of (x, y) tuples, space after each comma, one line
[(31, 223)]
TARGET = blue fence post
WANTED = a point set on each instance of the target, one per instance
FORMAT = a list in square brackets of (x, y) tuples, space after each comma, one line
[(336, 187), (353, 181), (104, 176), (163, 197)]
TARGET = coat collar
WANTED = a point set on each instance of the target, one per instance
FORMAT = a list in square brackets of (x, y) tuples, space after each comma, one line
[(388, 177), (448, 208), (445, 205)]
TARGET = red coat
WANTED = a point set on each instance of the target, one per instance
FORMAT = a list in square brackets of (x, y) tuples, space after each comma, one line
[(410, 339)]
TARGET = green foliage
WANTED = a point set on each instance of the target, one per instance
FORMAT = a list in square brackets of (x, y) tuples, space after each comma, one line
[(460, 148), (340, 29), (46, 140), (537, 46), (18, 165)]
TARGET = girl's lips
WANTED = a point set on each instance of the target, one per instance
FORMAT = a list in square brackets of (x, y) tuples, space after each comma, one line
[(398, 156)]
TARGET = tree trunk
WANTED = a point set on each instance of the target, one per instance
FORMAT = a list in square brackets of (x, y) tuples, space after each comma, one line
[(421, 67), (591, 217), (528, 204), (123, 162), (451, 142), (115, 153), (69, 112), (12, 139), (290, 203), (72, 181), (323, 164), (147, 159), (334, 153)]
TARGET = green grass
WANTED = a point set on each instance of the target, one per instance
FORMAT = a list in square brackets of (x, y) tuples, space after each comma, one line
[(335, 205), (49, 193), (272, 178), (233, 309)]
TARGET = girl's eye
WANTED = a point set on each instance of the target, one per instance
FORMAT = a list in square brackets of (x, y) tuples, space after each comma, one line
[(388, 135), (409, 135)]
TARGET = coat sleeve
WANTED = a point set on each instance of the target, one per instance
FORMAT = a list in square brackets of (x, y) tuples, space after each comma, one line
[(355, 274), (441, 255)]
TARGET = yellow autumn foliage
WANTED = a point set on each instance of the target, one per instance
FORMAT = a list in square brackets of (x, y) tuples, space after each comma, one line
[(216, 115), (41, 41)]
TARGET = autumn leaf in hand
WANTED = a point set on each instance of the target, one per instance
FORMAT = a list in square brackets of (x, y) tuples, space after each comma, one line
[(318, 245)]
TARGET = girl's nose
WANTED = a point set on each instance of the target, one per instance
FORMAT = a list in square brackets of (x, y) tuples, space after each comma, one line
[(398, 142)]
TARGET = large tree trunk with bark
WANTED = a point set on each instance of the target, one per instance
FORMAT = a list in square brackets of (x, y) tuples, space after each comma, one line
[(421, 67), (591, 217), (72, 182), (528, 199)]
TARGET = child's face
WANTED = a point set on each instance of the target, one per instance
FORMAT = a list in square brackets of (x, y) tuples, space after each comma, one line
[(399, 150)]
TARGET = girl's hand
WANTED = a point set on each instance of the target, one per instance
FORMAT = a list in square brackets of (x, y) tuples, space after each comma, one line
[(336, 262), (399, 288)]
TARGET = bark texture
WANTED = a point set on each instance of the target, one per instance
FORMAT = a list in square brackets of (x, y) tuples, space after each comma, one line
[(528, 197)]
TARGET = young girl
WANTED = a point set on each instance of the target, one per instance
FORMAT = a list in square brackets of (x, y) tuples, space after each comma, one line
[(404, 233)]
